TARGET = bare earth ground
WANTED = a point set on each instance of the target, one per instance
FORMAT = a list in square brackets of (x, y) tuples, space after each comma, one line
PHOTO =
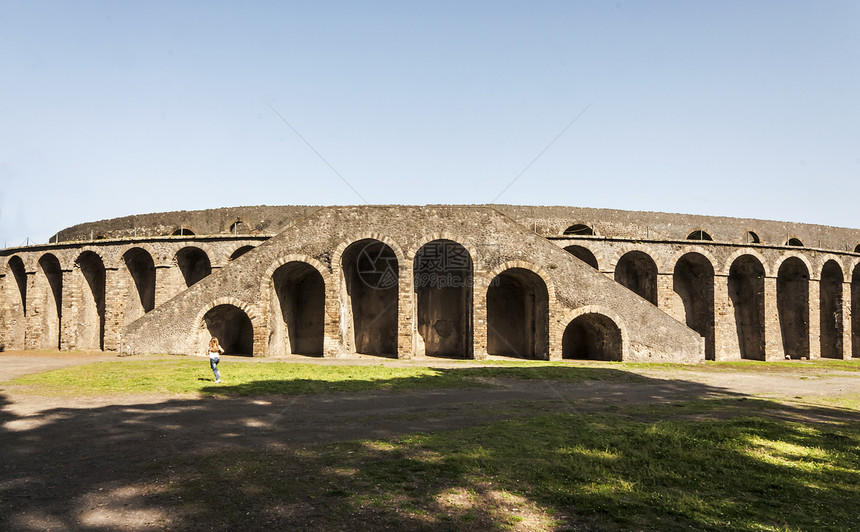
[(78, 463)]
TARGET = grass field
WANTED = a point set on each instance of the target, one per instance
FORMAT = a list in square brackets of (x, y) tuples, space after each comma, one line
[(739, 463)]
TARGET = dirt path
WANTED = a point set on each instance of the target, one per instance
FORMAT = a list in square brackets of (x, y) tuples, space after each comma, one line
[(84, 463)]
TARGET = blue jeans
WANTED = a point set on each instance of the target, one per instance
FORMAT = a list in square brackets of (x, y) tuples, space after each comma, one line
[(213, 362)]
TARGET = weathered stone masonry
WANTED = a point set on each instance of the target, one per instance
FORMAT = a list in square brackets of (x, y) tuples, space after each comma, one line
[(466, 282)]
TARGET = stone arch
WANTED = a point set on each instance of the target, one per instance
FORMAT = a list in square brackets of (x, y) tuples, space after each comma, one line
[(233, 327), (637, 271), (855, 312), (794, 242), (52, 273), (240, 251), (141, 268), (183, 230), (830, 308), (592, 336), (693, 282), (584, 254), (239, 227), (16, 295), (792, 301), (579, 230), (751, 237), (193, 263), (746, 292), (730, 260), (518, 314), (699, 234), (443, 281), (90, 333), (371, 282), (299, 319)]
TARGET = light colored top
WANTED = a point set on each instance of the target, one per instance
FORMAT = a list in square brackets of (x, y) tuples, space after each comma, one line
[(216, 354)]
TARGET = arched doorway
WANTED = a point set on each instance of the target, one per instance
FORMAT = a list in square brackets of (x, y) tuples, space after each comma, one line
[(16, 324), (638, 272), (372, 276), (855, 312), (592, 336), (792, 302), (90, 332), (693, 281), (53, 277), (830, 308), (194, 264), (518, 315), (443, 294), (232, 327), (746, 291), (141, 268), (583, 254), (300, 290)]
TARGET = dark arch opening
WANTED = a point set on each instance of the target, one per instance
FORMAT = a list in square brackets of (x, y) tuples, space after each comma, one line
[(443, 292), (699, 235), (54, 274), (830, 309), (638, 272), (752, 238), (857, 248), (91, 330), (518, 315), (233, 329), (239, 228), (141, 267), (194, 264), (20, 275), (794, 242), (792, 302), (183, 232), (746, 291), (372, 278), (592, 337), (693, 281), (855, 312), (300, 289), (579, 230), (241, 251), (583, 254)]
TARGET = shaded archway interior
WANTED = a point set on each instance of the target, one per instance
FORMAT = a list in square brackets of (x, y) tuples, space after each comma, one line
[(371, 273), (518, 315), (792, 301), (193, 263), (638, 272), (693, 281), (141, 267), (300, 290), (91, 326), (746, 292), (233, 329), (443, 292), (583, 254), (592, 336), (830, 310), (53, 273)]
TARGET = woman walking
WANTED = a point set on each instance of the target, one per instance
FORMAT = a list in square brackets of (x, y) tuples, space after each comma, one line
[(215, 351)]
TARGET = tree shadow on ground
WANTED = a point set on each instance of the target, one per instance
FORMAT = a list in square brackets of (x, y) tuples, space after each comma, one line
[(594, 448)]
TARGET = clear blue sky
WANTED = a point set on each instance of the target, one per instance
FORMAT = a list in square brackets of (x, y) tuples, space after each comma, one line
[(109, 108)]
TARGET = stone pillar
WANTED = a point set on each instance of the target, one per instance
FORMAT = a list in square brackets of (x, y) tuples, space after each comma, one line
[(666, 297), (726, 345), (71, 308), (331, 326), (115, 296), (405, 310), (163, 289), (479, 314), (814, 319), (773, 349), (35, 313), (847, 320)]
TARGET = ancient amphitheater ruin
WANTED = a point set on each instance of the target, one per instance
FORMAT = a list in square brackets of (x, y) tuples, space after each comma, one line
[(439, 281)]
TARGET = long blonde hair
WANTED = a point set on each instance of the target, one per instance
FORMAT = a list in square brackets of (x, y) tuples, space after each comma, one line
[(213, 344)]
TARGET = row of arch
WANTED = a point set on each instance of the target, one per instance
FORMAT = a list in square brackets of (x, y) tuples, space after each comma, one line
[(749, 237), (693, 281), (192, 262), (517, 307)]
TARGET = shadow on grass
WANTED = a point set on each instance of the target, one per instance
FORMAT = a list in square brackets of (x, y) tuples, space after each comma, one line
[(601, 450)]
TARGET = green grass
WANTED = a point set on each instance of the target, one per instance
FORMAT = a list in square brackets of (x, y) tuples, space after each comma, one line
[(607, 472), (280, 378)]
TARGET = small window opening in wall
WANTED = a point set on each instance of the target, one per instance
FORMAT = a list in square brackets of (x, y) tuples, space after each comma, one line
[(579, 230), (238, 227), (857, 248), (699, 235), (794, 242), (752, 238), (182, 232)]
